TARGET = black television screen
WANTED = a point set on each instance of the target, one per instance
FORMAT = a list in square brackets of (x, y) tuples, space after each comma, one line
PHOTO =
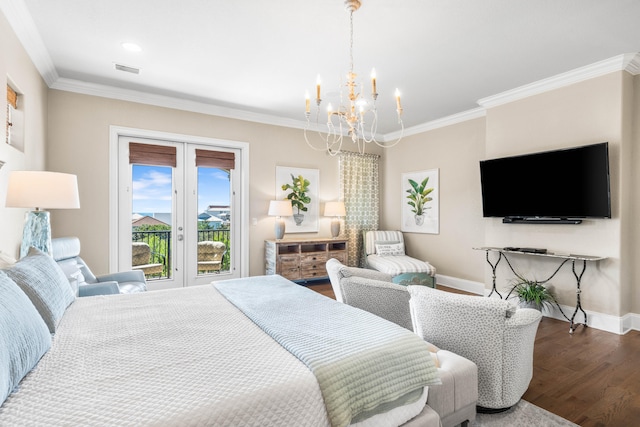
[(568, 183)]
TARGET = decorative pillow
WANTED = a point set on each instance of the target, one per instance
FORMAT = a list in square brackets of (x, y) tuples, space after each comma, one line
[(23, 334), (45, 284), (390, 249), (6, 260)]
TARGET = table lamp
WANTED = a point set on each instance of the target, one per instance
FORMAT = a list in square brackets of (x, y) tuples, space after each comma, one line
[(280, 208), (40, 189), (336, 210)]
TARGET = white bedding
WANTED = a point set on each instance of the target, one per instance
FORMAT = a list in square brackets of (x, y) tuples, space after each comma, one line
[(110, 364), (174, 357)]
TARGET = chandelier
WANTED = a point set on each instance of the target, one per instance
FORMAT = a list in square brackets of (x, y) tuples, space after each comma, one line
[(356, 115)]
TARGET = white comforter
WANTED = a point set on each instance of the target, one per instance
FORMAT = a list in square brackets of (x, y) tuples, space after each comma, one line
[(176, 357)]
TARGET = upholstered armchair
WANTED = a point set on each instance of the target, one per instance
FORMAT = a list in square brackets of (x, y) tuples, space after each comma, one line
[(371, 291), (490, 332), (385, 252), (455, 399), (66, 252)]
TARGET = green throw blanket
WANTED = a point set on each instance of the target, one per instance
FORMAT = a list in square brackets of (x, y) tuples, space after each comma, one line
[(364, 364)]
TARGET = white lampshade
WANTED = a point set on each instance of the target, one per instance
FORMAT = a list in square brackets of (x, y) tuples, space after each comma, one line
[(42, 190), (334, 209), (280, 208)]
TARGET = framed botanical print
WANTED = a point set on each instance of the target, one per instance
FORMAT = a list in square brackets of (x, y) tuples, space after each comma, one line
[(299, 185), (420, 202)]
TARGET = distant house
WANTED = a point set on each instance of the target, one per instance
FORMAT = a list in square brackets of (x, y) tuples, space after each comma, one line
[(146, 220), (221, 211)]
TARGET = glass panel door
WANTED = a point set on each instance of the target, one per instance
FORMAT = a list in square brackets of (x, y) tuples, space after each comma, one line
[(179, 225), (212, 243)]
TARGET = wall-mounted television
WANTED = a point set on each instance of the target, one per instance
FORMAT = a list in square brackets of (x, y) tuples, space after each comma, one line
[(546, 187)]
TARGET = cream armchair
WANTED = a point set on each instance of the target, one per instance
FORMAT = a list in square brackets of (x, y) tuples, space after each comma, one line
[(490, 332), (370, 290), (455, 399)]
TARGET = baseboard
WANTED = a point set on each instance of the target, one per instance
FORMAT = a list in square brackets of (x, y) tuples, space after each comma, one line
[(460, 284), (601, 321)]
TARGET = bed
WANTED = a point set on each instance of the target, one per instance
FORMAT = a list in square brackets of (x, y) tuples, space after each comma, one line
[(192, 356)]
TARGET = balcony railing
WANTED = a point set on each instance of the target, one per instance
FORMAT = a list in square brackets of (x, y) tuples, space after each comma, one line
[(160, 244)]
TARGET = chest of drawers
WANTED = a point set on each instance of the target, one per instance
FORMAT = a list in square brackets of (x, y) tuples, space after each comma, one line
[(303, 260)]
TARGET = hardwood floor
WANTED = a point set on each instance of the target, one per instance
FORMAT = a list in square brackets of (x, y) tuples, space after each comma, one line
[(591, 378)]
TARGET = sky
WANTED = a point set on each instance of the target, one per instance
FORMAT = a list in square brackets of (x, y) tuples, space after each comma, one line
[(152, 188)]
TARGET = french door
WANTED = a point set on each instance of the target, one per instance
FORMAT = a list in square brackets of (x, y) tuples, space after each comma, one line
[(179, 211)]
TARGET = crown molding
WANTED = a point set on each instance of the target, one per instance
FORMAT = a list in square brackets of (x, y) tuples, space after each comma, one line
[(106, 91), (628, 62), (438, 123), (22, 23)]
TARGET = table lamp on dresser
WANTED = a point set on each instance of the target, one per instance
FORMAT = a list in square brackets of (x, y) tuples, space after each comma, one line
[(280, 208)]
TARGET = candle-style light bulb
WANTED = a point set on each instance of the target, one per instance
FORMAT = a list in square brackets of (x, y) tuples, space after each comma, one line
[(307, 101), (373, 81), (398, 105), (318, 81)]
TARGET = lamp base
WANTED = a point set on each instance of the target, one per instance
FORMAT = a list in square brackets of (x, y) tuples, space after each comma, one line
[(335, 228), (279, 228), (36, 232)]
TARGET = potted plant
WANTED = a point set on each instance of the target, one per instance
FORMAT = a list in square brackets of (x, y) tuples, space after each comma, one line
[(418, 196), (532, 294), (298, 196)]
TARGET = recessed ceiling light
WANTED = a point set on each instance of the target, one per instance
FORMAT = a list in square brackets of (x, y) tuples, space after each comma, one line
[(131, 47)]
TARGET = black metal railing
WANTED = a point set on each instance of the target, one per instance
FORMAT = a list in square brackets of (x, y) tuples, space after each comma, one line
[(160, 244)]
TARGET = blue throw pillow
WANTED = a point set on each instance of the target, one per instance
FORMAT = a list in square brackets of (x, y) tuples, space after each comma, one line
[(45, 284), (23, 334)]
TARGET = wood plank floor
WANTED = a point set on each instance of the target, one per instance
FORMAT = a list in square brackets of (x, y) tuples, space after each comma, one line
[(591, 378)]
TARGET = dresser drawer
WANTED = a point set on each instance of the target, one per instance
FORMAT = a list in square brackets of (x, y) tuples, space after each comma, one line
[(314, 257), (313, 271), (291, 273), (340, 256), (288, 261)]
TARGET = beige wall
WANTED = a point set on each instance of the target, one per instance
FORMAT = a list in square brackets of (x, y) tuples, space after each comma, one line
[(455, 151), (16, 67), (597, 110), (79, 143), (583, 113)]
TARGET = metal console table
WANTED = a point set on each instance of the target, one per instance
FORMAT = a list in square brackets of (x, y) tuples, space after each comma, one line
[(502, 253)]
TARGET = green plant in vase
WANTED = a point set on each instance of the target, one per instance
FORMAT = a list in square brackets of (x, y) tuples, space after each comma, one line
[(418, 197), (532, 294), (298, 196)]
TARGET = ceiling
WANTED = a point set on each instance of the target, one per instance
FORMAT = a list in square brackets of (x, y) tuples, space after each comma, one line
[(255, 59)]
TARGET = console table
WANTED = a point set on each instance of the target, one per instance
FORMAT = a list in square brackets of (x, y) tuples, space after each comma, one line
[(302, 260), (502, 253)]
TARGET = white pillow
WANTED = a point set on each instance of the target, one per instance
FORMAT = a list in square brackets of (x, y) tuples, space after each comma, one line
[(6, 260), (390, 249)]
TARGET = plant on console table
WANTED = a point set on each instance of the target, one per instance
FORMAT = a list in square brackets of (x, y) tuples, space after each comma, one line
[(298, 196), (532, 294), (418, 197)]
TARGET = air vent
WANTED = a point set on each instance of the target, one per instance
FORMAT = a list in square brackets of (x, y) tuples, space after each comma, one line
[(126, 69)]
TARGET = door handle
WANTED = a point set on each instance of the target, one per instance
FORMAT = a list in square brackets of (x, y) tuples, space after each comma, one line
[(180, 237)]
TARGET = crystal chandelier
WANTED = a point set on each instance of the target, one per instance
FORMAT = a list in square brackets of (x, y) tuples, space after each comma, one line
[(356, 116)]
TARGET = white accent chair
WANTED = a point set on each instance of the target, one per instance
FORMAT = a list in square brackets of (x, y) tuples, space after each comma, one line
[(492, 333), (455, 399), (385, 252)]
